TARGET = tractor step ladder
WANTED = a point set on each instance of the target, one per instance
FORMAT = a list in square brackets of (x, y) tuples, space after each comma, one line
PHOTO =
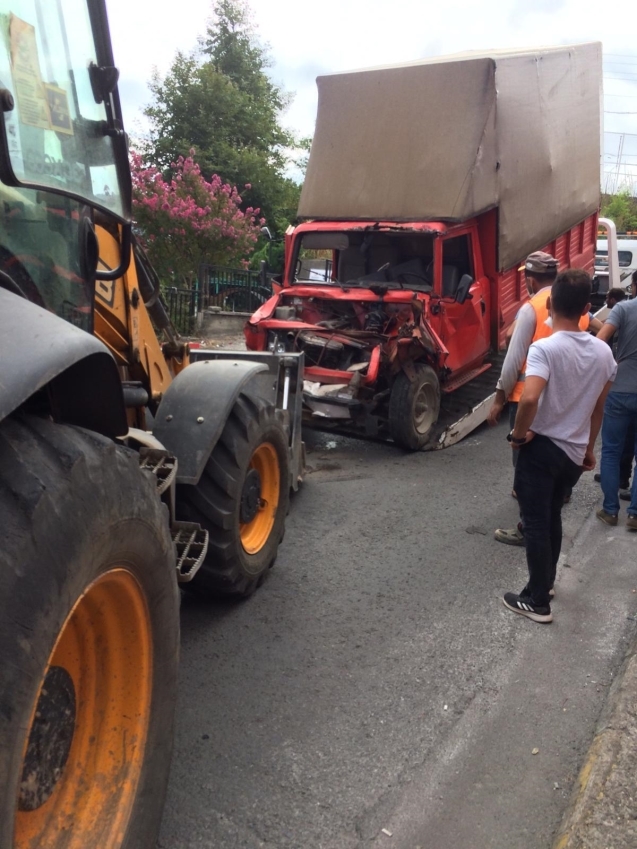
[(189, 538), (191, 545)]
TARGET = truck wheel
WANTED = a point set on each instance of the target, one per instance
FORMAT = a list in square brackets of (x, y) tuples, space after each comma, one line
[(414, 407), (89, 641), (242, 500)]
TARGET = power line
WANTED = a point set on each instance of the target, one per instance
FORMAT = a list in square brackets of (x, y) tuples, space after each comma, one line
[(629, 174)]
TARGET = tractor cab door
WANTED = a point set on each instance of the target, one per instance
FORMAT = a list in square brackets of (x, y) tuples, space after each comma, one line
[(63, 153)]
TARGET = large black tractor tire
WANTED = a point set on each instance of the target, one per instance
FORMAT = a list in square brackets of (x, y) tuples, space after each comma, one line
[(414, 406), (242, 500), (89, 642)]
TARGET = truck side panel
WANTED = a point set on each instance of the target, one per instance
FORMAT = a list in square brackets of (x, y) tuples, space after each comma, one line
[(573, 249)]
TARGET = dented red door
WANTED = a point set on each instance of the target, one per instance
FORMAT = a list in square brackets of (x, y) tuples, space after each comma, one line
[(462, 327)]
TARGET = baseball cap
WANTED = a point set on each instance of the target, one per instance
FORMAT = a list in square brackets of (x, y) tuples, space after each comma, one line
[(539, 262)]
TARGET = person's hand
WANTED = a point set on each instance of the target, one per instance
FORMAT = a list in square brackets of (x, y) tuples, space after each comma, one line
[(494, 413), (589, 461), (529, 436)]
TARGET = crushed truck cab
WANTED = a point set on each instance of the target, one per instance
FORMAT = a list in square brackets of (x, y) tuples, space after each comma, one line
[(402, 282)]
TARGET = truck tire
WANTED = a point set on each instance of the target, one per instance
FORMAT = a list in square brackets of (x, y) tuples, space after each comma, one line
[(241, 499), (89, 642), (414, 406)]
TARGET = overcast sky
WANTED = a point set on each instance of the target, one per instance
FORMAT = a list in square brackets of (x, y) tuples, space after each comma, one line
[(307, 39)]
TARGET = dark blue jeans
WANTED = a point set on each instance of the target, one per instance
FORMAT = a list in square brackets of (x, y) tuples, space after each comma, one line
[(543, 476), (627, 458), (620, 412)]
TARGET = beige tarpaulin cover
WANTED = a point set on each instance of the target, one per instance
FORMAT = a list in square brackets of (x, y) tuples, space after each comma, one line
[(447, 138)]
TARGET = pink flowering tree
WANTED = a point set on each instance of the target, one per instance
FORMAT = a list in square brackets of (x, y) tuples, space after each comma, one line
[(188, 221)]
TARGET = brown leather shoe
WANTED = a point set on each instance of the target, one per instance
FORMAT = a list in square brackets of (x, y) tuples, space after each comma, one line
[(607, 518)]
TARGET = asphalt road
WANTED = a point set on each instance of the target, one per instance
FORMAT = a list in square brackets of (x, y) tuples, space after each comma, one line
[(375, 692)]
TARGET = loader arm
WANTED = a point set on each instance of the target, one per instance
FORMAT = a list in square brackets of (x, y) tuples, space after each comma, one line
[(123, 323)]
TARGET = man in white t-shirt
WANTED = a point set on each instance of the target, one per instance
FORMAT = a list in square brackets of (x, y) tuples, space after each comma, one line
[(568, 376)]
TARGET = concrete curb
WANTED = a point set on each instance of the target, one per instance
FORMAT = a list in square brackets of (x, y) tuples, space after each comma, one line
[(602, 812)]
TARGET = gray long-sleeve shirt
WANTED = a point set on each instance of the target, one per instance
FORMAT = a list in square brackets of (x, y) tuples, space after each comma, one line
[(518, 349)]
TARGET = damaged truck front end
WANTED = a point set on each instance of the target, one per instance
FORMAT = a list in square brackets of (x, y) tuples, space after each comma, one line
[(358, 302)]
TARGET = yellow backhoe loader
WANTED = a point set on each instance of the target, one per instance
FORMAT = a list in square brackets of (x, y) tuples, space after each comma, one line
[(125, 470)]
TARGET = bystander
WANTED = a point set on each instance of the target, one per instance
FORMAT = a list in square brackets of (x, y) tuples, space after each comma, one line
[(531, 323), (614, 296), (620, 411), (555, 429)]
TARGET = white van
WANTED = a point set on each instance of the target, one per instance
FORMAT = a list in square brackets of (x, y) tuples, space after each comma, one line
[(627, 255)]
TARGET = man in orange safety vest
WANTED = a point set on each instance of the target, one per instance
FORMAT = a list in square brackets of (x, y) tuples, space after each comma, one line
[(531, 323)]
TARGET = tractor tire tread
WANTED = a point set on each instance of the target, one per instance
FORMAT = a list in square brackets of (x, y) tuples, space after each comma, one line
[(214, 502), (72, 503)]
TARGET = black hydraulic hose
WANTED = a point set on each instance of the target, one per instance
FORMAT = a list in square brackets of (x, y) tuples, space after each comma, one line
[(151, 295)]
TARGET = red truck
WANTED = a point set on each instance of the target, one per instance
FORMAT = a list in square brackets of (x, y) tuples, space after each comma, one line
[(427, 186)]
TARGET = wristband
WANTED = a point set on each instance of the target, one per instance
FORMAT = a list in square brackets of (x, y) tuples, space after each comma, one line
[(511, 438)]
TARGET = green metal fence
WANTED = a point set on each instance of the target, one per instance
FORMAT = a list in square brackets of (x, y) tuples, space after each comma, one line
[(230, 289), (234, 289), (183, 306)]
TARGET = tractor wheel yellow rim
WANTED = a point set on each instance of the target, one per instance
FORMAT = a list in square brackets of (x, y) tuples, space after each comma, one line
[(264, 473), (85, 749)]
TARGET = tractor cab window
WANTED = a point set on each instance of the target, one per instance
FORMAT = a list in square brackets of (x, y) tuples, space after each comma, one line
[(40, 251), (56, 133)]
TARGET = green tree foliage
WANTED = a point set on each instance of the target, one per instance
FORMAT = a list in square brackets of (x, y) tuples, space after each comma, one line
[(622, 209), (221, 101)]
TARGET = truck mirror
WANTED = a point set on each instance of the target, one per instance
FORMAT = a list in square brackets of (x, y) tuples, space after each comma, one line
[(462, 292)]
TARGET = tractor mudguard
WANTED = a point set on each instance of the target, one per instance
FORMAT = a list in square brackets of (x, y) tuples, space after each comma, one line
[(195, 407), (38, 349)]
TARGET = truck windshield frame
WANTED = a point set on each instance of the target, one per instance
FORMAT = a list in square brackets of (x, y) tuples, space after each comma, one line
[(61, 128), (351, 269)]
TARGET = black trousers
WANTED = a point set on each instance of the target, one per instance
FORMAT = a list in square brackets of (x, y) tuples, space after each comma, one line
[(544, 474), (513, 411)]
